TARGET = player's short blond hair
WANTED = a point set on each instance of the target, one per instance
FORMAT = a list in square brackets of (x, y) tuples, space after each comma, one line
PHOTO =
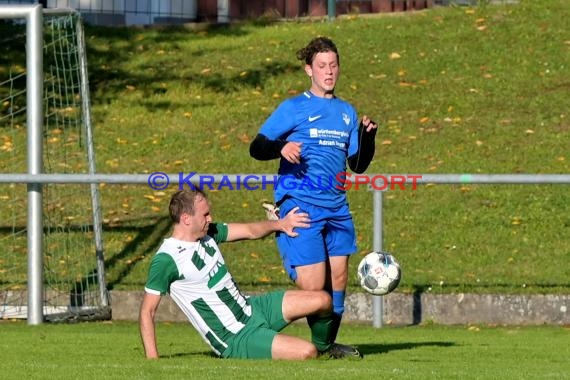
[(183, 201)]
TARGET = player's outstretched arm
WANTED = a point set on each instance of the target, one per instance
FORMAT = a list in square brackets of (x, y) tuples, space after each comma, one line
[(359, 161), (148, 309), (257, 230)]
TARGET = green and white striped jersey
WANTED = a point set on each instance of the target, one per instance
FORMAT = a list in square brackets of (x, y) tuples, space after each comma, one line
[(195, 275)]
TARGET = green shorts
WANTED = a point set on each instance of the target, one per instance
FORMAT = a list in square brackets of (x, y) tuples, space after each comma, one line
[(256, 338)]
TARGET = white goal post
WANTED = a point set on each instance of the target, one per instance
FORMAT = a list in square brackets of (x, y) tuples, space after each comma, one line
[(34, 83), (69, 301)]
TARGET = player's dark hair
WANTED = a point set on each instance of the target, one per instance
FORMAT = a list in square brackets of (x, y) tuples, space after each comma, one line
[(183, 201), (317, 45)]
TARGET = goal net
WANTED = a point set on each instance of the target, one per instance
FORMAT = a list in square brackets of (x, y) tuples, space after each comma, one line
[(67, 274)]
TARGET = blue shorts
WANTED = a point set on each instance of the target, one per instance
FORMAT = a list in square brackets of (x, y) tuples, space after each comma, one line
[(331, 234)]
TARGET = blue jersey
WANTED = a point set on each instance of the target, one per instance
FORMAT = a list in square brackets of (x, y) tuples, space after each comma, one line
[(328, 131)]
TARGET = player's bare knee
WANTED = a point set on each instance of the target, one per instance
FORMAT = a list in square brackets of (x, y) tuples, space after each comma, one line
[(309, 352), (325, 301)]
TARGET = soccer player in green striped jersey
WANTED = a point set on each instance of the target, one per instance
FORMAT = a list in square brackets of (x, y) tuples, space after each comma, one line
[(191, 269)]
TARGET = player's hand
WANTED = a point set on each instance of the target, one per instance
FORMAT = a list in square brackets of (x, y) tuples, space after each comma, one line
[(368, 123), (292, 152), (293, 220)]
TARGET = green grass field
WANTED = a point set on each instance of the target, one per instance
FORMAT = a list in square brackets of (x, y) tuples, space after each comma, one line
[(455, 90), (113, 351)]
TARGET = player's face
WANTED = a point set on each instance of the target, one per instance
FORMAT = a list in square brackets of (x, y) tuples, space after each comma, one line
[(324, 72), (201, 219)]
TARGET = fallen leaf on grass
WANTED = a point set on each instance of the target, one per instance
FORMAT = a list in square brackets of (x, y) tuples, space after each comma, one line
[(244, 139)]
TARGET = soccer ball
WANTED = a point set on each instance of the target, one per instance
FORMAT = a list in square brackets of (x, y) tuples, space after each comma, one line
[(379, 273)]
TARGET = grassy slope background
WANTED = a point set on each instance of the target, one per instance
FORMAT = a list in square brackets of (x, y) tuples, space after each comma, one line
[(455, 90)]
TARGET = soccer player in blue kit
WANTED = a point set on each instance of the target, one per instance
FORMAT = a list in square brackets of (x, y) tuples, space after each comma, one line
[(315, 134)]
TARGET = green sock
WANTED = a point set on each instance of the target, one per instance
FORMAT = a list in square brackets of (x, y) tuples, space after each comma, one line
[(334, 326), (322, 331)]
